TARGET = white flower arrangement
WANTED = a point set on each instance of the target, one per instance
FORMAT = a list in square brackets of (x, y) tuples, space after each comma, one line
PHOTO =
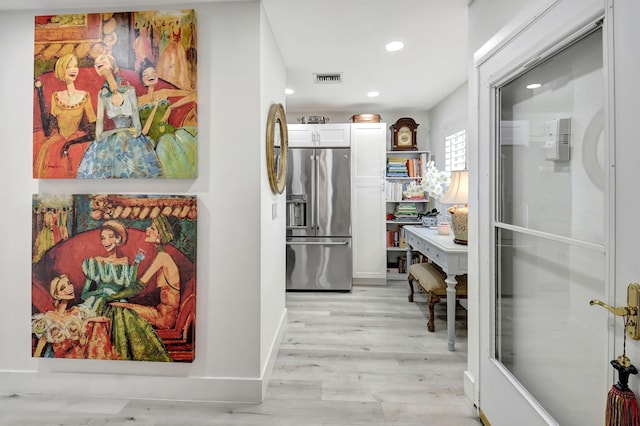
[(433, 182)]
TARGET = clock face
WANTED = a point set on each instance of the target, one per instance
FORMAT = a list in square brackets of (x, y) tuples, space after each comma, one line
[(404, 136)]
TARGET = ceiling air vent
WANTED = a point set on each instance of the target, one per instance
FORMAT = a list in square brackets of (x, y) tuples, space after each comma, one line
[(330, 78)]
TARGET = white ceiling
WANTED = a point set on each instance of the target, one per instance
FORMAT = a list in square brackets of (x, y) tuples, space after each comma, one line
[(348, 37)]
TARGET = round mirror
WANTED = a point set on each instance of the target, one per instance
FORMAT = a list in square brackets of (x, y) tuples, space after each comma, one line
[(277, 148)]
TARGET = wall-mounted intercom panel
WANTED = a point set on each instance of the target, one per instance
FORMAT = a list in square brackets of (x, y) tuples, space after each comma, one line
[(557, 146)]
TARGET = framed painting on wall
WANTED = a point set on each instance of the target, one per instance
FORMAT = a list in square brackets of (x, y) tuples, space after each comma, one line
[(115, 95), (114, 277)]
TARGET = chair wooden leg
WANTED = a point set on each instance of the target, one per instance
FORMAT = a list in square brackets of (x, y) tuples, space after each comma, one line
[(431, 323), (410, 278), (432, 300)]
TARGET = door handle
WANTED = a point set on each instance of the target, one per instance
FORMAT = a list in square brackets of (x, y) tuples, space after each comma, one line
[(630, 311), (316, 243)]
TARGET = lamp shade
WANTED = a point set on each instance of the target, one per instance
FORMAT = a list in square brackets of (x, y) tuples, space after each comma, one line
[(458, 192)]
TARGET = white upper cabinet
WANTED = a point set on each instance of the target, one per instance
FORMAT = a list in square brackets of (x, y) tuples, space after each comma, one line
[(319, 135)]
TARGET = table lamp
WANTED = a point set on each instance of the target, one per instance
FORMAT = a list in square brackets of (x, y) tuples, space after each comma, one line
[(457, 194)]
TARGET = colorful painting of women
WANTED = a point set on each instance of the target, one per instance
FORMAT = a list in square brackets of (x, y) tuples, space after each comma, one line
[(71, 332), (70, 121), (161, 232), (177, 148), (82, 113), (112, 277), (129, 265), (123, 152)]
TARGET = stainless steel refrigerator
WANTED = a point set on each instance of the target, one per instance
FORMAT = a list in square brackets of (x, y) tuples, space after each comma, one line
[(319, 219)]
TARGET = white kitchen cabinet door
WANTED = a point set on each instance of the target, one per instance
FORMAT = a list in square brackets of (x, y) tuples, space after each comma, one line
[(319, 135), (368, 157)]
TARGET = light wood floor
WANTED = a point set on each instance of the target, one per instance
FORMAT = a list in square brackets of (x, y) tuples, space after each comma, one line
[(358, 358)]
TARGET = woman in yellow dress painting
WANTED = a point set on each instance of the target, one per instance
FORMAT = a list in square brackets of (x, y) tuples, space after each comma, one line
[(71, 109)]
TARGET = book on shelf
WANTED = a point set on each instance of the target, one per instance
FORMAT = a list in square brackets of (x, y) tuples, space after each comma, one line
[(397, 167), (424, 159), (414, 167), (391, 238), (402, 265), (406, 210), (416, 197), (403, 268), (396, 160), (396, 238), (393, 191), (392, 165), (397, 174), (407, 220), (402, 241), (411, 169)]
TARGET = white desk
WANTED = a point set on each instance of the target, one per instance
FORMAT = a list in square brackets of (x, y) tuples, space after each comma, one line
[(451, 257)]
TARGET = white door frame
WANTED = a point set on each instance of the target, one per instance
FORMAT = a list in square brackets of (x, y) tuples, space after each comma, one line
[(559, 19), (625, 129)]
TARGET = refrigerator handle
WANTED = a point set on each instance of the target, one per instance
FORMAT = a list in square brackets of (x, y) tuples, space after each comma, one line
[(316, 243), (314, 191)]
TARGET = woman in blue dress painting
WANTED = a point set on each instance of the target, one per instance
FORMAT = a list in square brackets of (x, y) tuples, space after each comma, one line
[(122, 152)]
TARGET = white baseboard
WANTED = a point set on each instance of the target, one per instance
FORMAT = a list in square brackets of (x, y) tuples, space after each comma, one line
[(469, 387), (273, 353), (227, 389), (136, 380)]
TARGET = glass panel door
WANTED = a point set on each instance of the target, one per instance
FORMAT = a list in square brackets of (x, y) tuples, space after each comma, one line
[(549, 231)]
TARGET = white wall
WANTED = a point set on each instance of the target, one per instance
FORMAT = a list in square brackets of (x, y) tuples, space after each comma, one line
[(449, 116), (273, 218), (237, 323), (486, 19)]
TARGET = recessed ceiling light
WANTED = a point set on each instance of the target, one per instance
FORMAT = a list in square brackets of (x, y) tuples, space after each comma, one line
[(288, 91), (533, 85), (394, 46), (373, 94)]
